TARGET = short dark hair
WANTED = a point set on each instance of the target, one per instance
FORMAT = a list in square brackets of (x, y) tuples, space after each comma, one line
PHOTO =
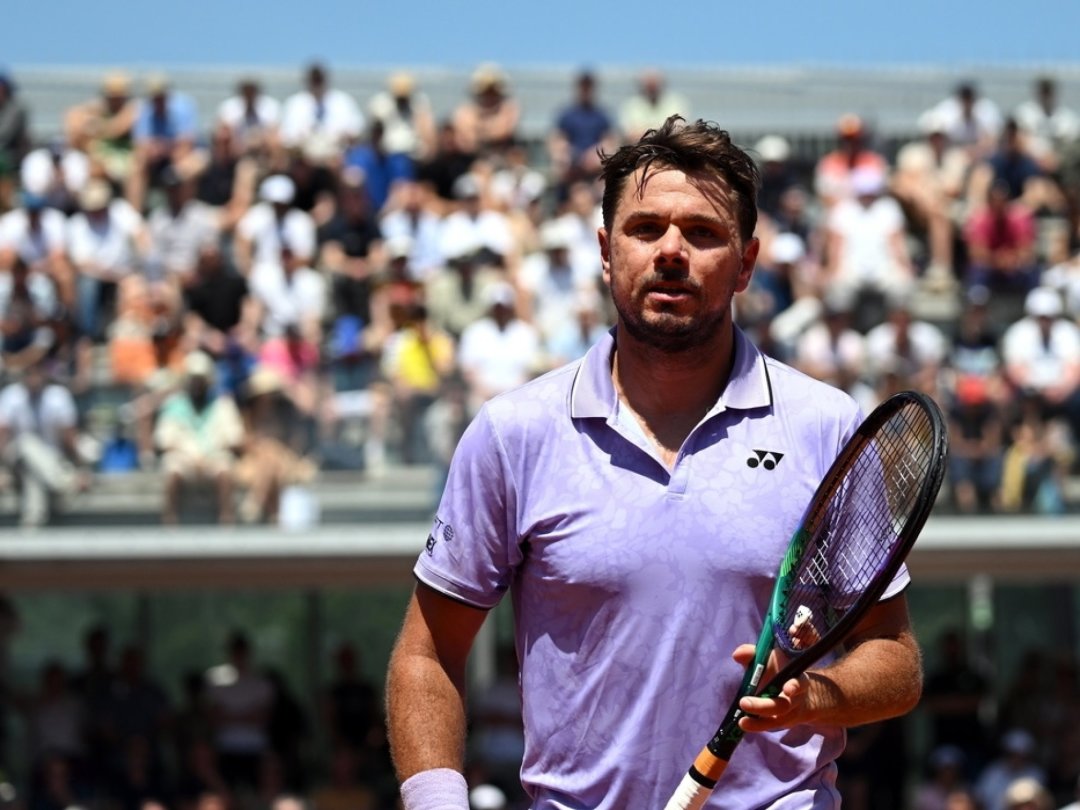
[(697, 147)]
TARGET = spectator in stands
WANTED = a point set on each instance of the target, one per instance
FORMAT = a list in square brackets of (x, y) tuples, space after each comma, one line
[(177, 230), (551, 281), (405, 114), (1000, 239), (777, 172), (269, 461), (351, 708), (442, 169), (1042, 356), (272, 221), (225, 179), (107, 241), (141, 714), (14, 138), (415, 360), (1047, 123), (977, 446), (289, 294), (289, 730), (198, 435), (478, 225), (1016, 761), (971, 120), (911, 347), (240, 698), (573, 338), (40, 444), (37, 233), (866, 251), (581, 217), (56, 737), (487, 121), (252, 118), (835, 172), (930, 183), (499, 351), (650, 106), (320, 116), (58, 172), (945, 776), (165, 134), (830, 349), (411, 216), (31, 316), (379, 168), (215, 305), (104, 127), (954, 695), (1013, 166), (583, 129), (1040, 454)]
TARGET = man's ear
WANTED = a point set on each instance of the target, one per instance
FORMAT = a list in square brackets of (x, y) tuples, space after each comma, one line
[(749, 260), (605, 253)]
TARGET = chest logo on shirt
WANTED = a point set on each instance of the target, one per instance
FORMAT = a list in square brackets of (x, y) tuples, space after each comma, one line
[(441, 530), (769, 459)]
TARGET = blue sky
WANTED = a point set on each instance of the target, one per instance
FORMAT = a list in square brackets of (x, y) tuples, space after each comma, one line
[(537, 32)]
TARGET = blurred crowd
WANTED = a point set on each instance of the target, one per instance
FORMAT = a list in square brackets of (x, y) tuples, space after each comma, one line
[(238, 298)]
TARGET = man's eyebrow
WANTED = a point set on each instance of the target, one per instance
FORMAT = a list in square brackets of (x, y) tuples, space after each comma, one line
[(708, 219)]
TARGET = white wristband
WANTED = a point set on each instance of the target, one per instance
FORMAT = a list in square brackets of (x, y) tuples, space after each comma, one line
[(436, 789)]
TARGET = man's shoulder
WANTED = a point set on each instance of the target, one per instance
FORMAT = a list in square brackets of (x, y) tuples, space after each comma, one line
[(789, 384), (538, 404)]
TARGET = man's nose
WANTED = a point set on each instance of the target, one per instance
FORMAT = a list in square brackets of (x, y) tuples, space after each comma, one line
[(672, 247)]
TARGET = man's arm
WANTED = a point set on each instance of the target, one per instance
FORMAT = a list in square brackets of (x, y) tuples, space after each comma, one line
[(880, 676), (425, 686)]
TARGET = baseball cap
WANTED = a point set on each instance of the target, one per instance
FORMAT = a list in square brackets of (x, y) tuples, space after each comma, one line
[(787, 248), (198, 364), (1018, 741), (1043, 302), (278, 188), (116, 85), (401, 84), (773, 149), (95, 195)]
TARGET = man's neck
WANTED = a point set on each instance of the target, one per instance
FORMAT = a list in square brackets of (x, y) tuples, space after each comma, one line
[(670, 393)]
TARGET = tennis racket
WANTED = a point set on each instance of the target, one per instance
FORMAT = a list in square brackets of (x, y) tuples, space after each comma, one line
[(853, 537)]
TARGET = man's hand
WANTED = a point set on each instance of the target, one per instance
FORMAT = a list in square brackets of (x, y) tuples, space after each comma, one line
[(787, 709)]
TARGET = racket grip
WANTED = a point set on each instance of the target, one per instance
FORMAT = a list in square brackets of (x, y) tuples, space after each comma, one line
[(698, 783), (689, 795)]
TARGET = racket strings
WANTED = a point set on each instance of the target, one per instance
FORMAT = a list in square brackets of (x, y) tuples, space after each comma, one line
[(859, 528)]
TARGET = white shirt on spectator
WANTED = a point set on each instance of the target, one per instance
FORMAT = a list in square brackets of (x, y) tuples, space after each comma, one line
[(1044, 362), (237, 700), (33, 245), (499, 359), (866, 230), (110, 243), (261, 226), (48, 417), (289, 300), (340, 121), (233, 113), (424, 234), (927, 344), (490, 229), (175, 240)]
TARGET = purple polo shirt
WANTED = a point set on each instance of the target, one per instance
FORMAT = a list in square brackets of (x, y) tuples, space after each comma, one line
[(631, 585)]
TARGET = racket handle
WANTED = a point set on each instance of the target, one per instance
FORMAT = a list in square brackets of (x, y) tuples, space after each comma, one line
[(689, 795), (698, 784)]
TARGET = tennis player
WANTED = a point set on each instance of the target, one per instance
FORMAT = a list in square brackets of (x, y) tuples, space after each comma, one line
[(635, 505)]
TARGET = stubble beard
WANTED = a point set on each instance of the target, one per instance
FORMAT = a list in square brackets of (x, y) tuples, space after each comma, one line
[(665, 331)]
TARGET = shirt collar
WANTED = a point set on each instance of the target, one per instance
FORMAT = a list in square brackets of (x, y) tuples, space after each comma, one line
[(593, 391)]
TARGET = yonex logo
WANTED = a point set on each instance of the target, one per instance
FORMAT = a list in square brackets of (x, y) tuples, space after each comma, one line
[(768, 459)]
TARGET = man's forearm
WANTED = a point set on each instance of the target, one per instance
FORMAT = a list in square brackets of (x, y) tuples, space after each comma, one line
[(425, 715), (877, 679)]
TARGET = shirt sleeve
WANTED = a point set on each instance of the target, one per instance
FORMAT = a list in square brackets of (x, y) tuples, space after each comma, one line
[(474, 548)]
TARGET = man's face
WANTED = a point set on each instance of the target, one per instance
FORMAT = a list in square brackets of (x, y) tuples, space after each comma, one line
[(674, 258)]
